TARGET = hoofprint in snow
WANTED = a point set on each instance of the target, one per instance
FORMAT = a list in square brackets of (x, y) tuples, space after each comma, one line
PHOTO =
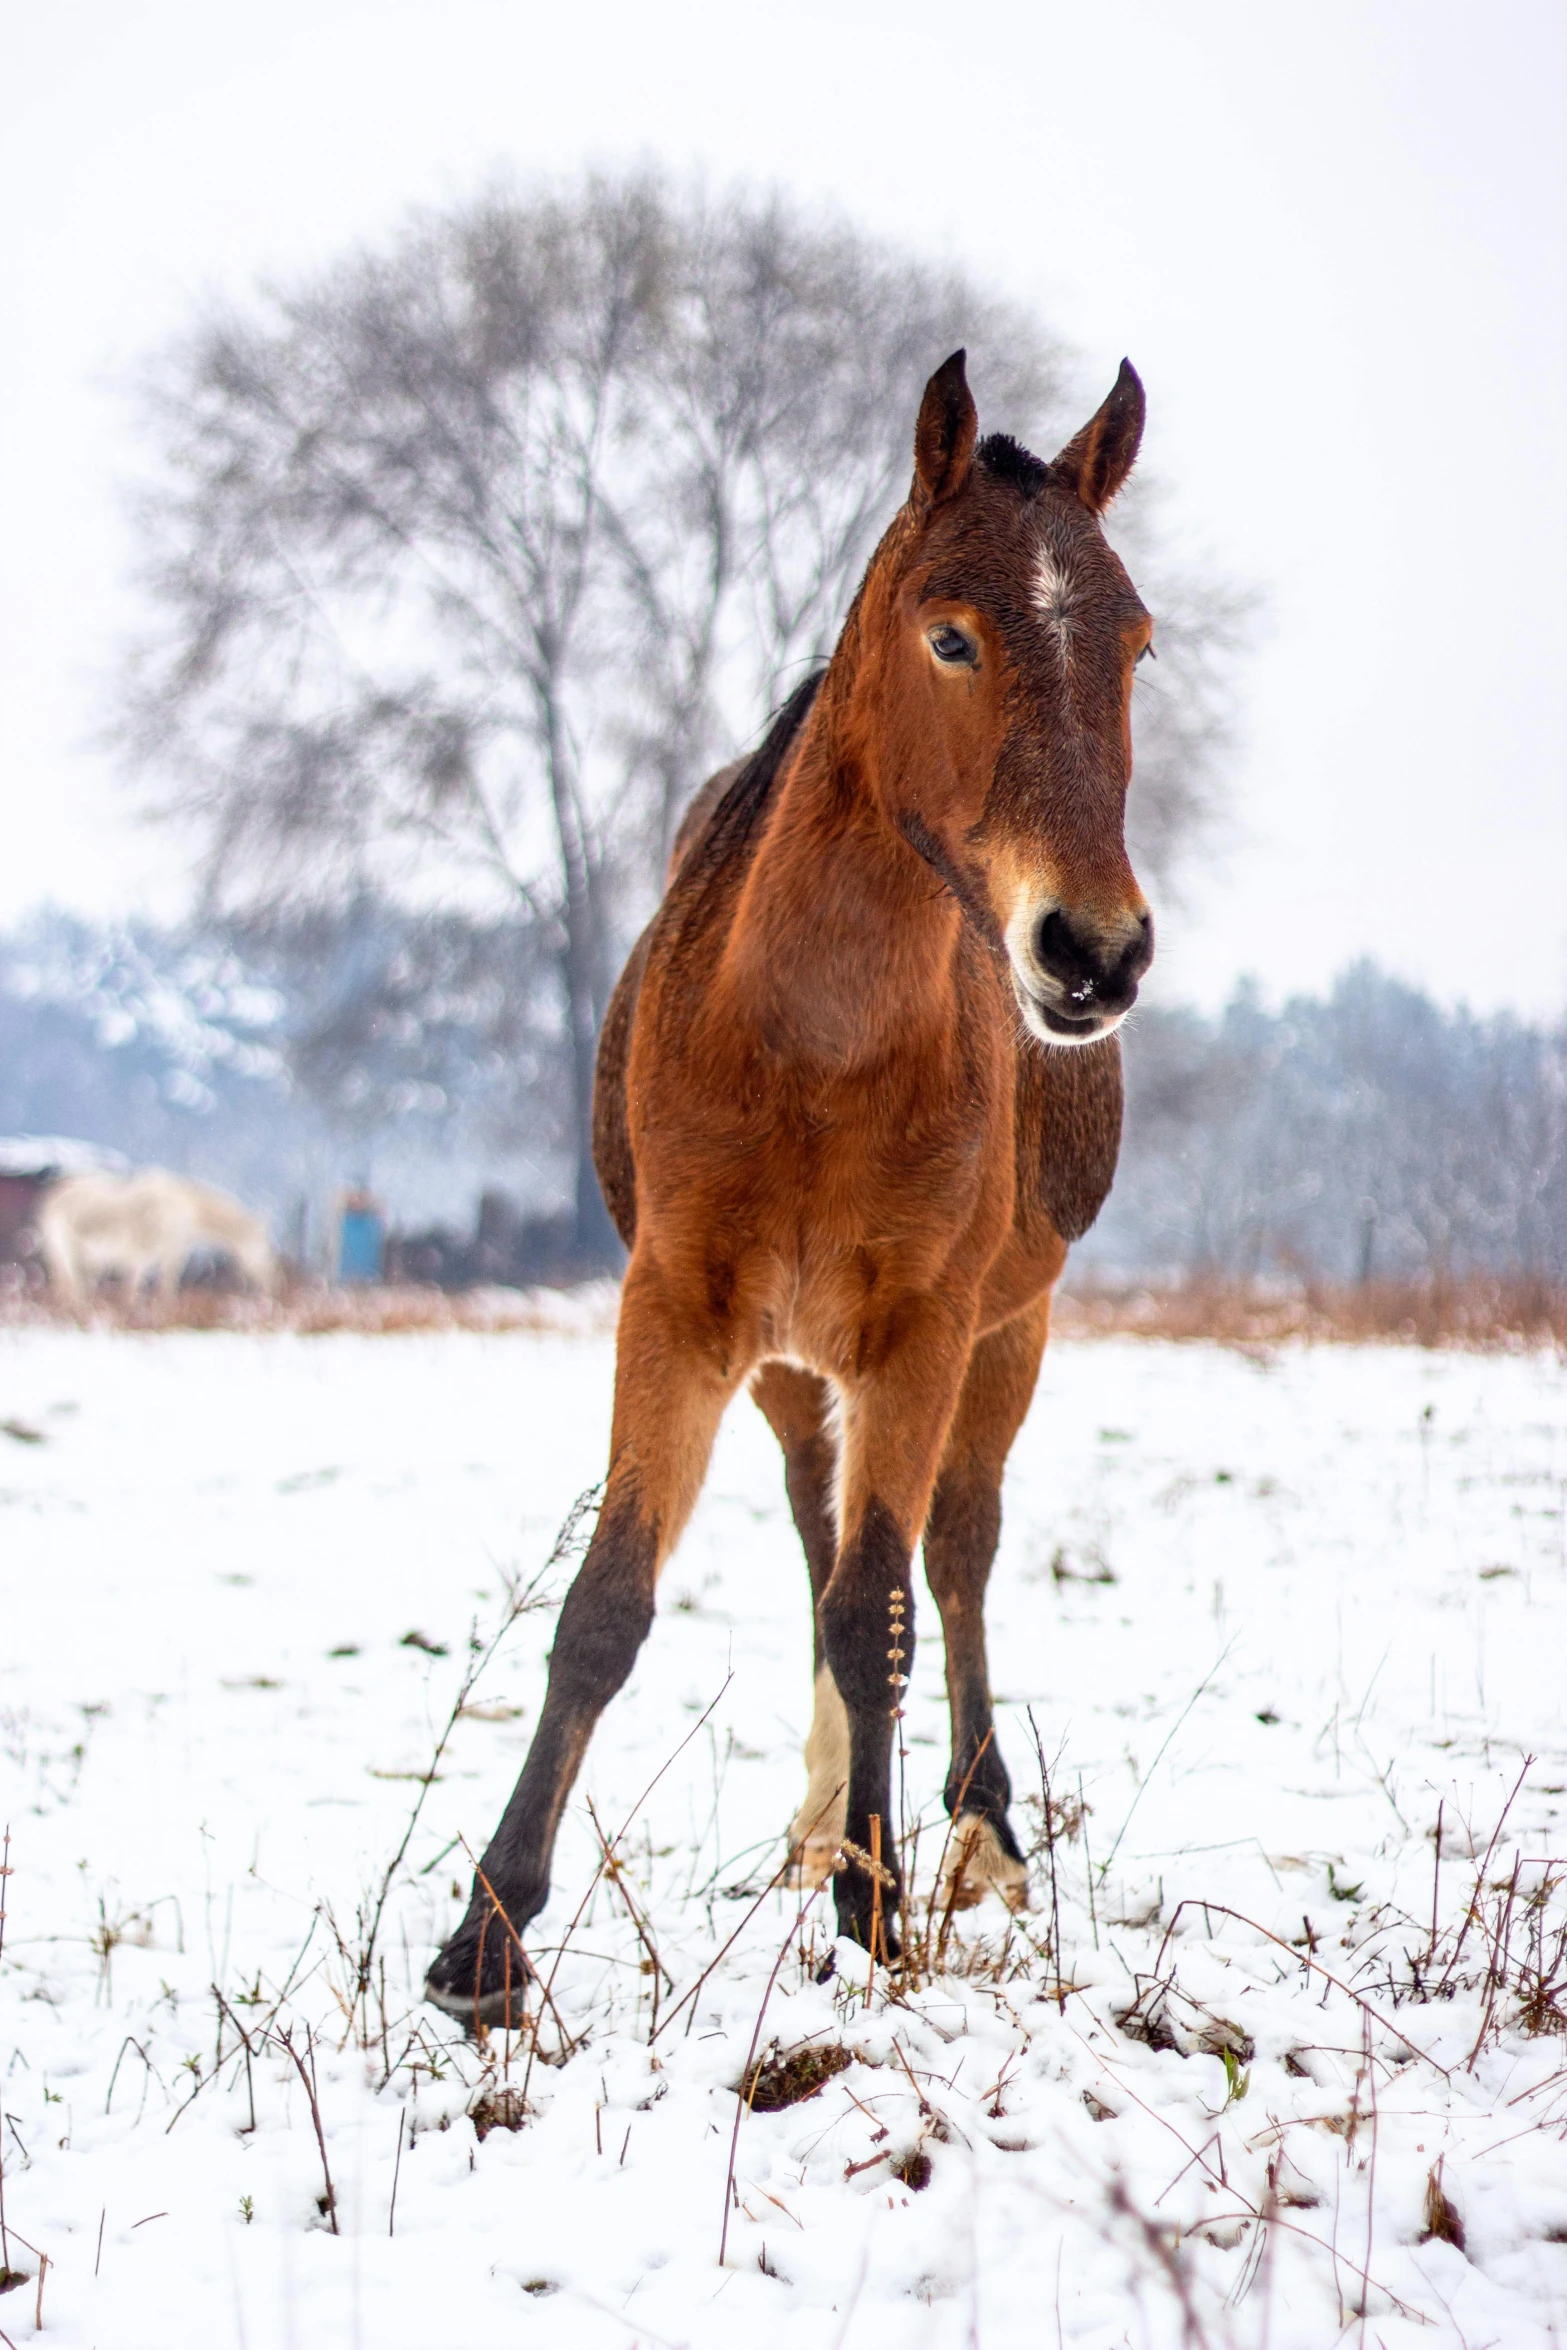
[(1269, 1618)]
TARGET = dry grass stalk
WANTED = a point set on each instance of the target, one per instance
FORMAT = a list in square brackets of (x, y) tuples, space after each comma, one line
[(1515, 1932), (614, 1869), (1470, 1913), (878, 1873), (1088, 1862), (1436, 1885), (8, 2275), (314, 1309), (521, 1599), (1441, 2216), (749, 2074), (920, 1962), (397, 2172), (1484, 1313), (1167, 2254), (920, 2098), (1306, 1960), (11, 2278), (1048, 1827), (898, 1681), (1268, 2208), (1369, 2070), (285, 2040), (547, 1987), (688, 1997)]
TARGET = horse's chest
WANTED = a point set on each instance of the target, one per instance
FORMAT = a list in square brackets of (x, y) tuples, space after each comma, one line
[(835, 1208), (806, 1205), (830, 1263), (859, 1155), (903, 1165)]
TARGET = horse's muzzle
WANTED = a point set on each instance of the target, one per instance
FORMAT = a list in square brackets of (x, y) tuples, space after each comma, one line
[(1079, 976)]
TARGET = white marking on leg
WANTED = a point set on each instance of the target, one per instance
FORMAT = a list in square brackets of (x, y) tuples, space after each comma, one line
[(819, 1823), (835, 1428), (976, 1865)]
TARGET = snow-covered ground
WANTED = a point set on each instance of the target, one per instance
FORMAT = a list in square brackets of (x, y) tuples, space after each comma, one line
[(1268, 1616)]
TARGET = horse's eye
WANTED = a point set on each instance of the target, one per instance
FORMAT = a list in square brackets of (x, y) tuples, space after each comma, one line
[(950, 644), (1147, 654)]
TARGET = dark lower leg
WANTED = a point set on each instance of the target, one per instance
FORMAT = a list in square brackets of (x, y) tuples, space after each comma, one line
[(857, 1621), (961, 1534), (671, 1383), (604, 1621), (895, 1432), (960, 1543)]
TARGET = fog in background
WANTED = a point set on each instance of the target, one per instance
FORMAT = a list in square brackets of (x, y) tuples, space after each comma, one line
[(1333, 245), (1332, 241), (1365, 1137)]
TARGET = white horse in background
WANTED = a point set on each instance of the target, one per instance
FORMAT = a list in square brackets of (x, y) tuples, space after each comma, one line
[(147, 1222)]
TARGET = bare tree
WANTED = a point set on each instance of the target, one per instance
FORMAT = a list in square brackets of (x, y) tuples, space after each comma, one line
[(792, 363), (380, 563), (471, 556), (1183, 701), (387, 1016)]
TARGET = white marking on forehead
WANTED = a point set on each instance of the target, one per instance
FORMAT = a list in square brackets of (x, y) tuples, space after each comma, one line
[(1052, 585), (1053, 599)]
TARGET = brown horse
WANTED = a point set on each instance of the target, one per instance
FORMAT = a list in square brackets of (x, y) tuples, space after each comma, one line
[(840, 1135)]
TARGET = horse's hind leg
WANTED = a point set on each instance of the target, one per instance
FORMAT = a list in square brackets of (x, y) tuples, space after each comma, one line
[(672, 1380), (961, 1534), (895, 1423), (799, 1408)]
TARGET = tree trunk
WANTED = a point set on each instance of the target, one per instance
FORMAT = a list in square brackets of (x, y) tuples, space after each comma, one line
[(595, 1242)]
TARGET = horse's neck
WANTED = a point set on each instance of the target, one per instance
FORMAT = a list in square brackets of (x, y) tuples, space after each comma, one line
[(845, 943)]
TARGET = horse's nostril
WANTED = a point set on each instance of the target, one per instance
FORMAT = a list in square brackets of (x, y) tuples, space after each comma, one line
[(1094, 976), (1066, 958)]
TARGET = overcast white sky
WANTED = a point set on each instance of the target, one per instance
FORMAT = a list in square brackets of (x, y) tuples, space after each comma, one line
[(1333, 239)]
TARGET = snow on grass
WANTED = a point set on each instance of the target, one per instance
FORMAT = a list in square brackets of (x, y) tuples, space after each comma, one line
[(1267, 1617)]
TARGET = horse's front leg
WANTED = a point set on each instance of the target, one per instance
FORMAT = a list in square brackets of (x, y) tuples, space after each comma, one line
[(673, 1377), (961, 1534), (799, 1408), (895, 1424)]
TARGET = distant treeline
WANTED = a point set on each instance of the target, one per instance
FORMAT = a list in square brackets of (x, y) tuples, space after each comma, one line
[(413, 1052), (1370, 1136)]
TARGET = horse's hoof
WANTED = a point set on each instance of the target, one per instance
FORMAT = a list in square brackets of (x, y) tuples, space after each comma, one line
[(979, 1863), (858, 1932), (858, 1921), (479, 1991)]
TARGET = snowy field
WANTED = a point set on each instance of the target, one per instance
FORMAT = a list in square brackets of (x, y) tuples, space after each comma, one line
[(1272, 1617)]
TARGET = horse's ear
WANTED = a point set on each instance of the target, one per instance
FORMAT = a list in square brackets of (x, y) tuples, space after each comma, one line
[(1096, 461), (944, 435)]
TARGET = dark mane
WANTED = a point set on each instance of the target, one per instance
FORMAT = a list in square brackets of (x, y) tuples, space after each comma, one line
[(746, 797), (1005, 459)]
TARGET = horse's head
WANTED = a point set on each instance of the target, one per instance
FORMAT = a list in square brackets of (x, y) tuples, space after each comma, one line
[(1007, 632)]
